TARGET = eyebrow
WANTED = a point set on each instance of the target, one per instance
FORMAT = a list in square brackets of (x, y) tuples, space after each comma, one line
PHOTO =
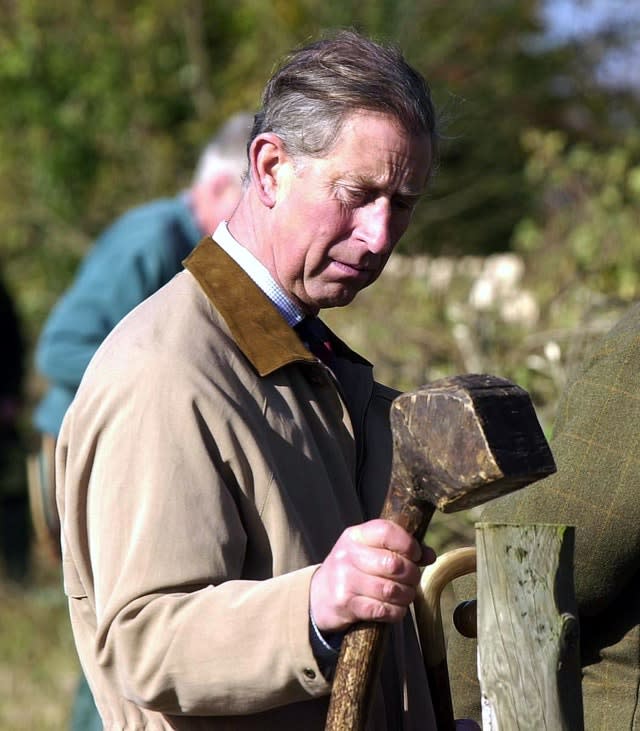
[(368, 183)]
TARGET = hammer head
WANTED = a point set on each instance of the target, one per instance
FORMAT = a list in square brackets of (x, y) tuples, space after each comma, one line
[(461, 441)]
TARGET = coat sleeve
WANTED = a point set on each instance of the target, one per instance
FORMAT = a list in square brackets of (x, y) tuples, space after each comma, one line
[(159, 525)]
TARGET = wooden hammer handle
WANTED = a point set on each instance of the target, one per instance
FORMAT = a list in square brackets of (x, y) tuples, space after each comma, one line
[(363, 645), (356, 672)]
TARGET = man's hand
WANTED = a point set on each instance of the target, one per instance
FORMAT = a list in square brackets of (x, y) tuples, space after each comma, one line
[(371, 573)]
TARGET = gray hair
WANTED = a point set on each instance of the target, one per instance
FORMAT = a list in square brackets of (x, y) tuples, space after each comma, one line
[(318, 86), (226, 149)]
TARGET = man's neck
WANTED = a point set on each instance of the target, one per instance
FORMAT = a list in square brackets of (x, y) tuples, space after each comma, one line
[(262, 277), (247, 227)]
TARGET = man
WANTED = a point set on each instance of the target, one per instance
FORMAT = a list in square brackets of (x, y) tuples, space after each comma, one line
[(217, 482), (131, 260), (596, 490)]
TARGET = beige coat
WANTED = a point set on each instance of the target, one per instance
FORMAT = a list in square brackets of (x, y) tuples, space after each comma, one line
[(205, 468)]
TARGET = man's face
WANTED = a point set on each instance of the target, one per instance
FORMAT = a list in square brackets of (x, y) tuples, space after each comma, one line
[(339, 217)]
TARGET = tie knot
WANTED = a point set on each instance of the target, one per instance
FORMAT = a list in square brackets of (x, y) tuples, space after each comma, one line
[(311, 327), (315, 336)]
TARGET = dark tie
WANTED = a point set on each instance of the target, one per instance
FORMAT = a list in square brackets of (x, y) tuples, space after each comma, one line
[(315, 336)]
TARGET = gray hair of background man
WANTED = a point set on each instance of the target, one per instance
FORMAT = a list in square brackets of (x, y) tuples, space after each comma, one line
[(226, 150), (318, 86)]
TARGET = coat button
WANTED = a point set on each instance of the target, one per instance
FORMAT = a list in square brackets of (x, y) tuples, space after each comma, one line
[(309, 673)]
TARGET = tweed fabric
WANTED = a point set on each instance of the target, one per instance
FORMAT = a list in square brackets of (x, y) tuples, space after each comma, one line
[(596, 489)]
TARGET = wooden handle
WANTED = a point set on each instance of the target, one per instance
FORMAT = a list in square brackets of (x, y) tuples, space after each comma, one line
[(358, 666), (449, 566), (363, 645)]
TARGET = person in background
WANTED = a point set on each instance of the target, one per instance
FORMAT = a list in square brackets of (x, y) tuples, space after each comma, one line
[(221, 467), (129, 261), (15, 532), (595, 489)]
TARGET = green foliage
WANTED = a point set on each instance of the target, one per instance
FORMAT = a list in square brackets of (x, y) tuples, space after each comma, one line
[(527, 315), (107, 106), (586, 226)]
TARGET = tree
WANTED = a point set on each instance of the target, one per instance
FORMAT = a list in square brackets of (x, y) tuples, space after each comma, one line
[(107, 106)]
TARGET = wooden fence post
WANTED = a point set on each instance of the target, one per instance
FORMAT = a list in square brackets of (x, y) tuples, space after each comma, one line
[(528, 634)]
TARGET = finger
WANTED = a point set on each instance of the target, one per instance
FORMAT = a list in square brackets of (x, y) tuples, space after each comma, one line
[(385, 534), (342, 583), (385, 591), (380, 562), (366, 609)]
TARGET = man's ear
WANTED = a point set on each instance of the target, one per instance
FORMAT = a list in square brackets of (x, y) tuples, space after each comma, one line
[(271, 167)]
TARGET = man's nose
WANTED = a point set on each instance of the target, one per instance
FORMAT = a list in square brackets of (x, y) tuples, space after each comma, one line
[(374, 225)]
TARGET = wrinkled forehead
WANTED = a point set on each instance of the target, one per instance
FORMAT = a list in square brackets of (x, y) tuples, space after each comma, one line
[(374, 149)]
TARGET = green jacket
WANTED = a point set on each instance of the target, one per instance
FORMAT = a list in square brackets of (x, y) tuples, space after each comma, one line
[(596, 489), (129, 261)]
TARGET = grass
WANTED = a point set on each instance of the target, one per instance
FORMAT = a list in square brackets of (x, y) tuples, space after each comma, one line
[(38, 665)]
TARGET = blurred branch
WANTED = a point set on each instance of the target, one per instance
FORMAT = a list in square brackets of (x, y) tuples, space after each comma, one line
[(198, 56)]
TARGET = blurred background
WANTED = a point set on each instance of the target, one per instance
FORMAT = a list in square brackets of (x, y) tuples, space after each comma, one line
[(525, 248)]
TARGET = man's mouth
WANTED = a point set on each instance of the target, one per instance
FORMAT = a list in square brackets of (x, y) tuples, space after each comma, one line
[(353, 269)]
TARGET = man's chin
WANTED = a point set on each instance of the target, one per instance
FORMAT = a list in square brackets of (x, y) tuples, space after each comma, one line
[(339, 299), (333, 294)]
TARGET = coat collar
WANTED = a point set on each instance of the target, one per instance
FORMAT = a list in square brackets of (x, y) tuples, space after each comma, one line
[(255, 323)]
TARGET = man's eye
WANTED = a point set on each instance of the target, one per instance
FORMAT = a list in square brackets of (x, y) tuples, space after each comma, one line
[(404, 204), (351, 196)]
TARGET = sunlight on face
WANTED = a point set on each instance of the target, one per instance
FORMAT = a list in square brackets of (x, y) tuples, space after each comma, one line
[(342, 215)]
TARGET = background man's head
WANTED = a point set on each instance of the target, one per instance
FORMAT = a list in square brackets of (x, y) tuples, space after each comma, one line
[(217, 181)]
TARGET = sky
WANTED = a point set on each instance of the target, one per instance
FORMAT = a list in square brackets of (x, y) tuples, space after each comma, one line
[(568, 19)]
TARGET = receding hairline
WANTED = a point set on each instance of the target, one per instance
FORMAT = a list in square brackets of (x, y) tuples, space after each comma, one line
[(420, 137), (337, 70)]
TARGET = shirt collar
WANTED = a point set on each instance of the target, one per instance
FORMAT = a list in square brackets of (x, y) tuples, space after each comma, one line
[(254, 321), (259, 274)]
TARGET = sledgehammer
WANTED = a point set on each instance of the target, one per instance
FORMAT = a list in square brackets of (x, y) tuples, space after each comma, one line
[(457, 442)]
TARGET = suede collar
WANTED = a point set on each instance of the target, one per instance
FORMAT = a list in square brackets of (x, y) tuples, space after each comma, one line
[(258, 328)]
